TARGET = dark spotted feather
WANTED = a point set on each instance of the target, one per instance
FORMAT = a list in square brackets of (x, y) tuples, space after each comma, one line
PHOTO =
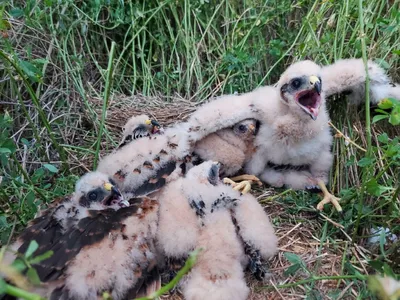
[(88, 231), (156, 182), (45, 230)]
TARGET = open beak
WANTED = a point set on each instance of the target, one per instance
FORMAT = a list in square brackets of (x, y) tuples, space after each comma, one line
[(156, 127), (115, 196), (310, 100)]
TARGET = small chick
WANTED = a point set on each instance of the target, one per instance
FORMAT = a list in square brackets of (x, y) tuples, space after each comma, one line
[(231, 147), (138, 127), (99, 243), (196, 212)]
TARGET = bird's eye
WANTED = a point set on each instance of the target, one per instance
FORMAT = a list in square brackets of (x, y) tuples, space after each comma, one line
[(296, 83), (92, 196), (242, 128)]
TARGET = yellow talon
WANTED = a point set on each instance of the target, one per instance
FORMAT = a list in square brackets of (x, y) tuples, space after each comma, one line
[(328, 198), (247, 177), (245, 185)]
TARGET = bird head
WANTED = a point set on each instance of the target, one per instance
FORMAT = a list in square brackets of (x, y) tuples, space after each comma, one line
[(95, 188), (153, 126), (207, 173), (141, 124), (300, 87), (246, 129)]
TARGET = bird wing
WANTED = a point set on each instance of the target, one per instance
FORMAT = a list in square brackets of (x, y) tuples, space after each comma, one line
[(45, 229), (228, 110), (348, 75), (144, 166), (88, 231)]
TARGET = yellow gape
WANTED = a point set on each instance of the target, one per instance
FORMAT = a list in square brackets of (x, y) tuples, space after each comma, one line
[(147, 122), (108, 186)]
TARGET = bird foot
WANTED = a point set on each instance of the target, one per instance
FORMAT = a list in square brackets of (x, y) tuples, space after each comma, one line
[(248, 177), (328, 198), (243, 186)]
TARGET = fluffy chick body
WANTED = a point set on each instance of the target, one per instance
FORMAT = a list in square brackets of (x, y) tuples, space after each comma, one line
[(291, 148), (98, 245), (196, 211), (232, 147), (145, 166)]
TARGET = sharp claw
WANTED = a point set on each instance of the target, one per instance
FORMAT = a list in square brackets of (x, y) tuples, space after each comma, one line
[(243, 186)]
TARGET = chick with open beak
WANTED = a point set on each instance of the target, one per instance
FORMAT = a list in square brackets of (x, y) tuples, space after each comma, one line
[(114, 196), (155, 127), (305, 92)]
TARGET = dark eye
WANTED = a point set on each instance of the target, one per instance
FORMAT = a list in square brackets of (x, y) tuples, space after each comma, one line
[(92, 196), (242, 128), (296, 83)]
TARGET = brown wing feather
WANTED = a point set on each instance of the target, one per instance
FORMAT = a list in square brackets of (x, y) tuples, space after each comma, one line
[(88, 231), (156, 182), (45, 230)]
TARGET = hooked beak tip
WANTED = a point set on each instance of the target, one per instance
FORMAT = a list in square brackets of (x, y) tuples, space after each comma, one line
[(155, 123), (318, 87)]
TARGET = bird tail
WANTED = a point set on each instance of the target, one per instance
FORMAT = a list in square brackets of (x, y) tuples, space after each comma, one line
[(348, 76)]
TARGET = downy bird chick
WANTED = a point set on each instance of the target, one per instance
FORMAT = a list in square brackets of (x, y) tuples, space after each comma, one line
[(232, 147), (99, 243), (293, 142), (138, 127), (199, 211)]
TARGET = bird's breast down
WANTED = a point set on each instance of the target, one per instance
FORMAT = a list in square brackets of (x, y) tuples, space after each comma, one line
[(302, 152)]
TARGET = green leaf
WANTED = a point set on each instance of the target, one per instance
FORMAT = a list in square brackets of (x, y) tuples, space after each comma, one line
[(41, 257), (378, 118), (383, 138), (385, 103), (33, 276), (395, 116), (31, 248), (3, 221), (30, 70), (5, 151), (365, 161), (396, 52), (293, 258), (9, 144), (383, 63), (387, 270), (16, 12), (376, 264), (51, 168), (375, 189), (19, 265), (292, 270), (3, 286)]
